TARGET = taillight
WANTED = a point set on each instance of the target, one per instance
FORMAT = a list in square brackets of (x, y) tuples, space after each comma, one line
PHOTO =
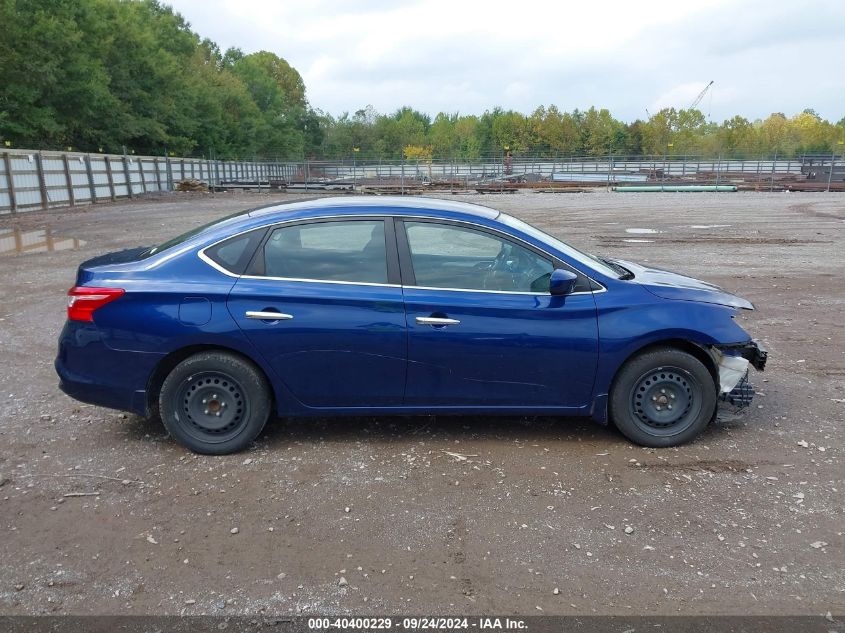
[(83, 301)]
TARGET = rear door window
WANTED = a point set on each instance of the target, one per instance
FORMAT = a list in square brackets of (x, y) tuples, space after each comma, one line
[(339, 251)]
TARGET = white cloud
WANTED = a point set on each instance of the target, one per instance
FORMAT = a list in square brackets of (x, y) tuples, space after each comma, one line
[(469, 56)]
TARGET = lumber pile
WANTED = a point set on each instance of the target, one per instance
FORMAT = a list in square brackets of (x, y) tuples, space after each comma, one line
[(191, 184)]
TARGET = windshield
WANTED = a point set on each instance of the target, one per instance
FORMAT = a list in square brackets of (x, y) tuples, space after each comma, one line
[(591, 261), (189, 234)]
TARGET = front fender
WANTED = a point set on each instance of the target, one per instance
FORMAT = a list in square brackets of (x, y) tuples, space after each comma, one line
[(626, 329)]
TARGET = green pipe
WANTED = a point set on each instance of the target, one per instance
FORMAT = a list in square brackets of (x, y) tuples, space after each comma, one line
[(675, 188)]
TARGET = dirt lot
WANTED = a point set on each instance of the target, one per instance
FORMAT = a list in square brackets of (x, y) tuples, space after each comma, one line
[(373, 516)]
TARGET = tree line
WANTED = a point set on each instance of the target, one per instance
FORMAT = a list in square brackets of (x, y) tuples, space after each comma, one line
[(121, 75), (549, 132)]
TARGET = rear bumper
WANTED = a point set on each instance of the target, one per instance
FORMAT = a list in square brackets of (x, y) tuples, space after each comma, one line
[(92, 393), (91, 372)]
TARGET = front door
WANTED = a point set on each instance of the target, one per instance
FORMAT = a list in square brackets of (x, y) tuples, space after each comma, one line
[(483, 330), (319, 306)]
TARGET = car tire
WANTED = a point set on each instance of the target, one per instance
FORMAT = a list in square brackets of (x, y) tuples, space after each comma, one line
[(215, 403), (662, 397)]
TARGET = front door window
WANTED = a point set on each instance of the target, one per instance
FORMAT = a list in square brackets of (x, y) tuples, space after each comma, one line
[(454, 257)]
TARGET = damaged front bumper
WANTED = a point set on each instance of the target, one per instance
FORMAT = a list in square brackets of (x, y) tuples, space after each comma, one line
[(741, 395), (732, 362), (753, 352)]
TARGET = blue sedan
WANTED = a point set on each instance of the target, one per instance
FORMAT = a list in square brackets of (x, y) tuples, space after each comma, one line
[(396, 306)]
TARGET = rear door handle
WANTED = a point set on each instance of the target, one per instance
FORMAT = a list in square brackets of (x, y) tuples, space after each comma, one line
[(267, 316), (437, 321)]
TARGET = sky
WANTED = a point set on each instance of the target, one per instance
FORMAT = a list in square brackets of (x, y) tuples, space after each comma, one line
[(466, 56)]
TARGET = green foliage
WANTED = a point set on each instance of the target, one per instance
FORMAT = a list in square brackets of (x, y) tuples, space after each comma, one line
[(115, 73), (548, 132)]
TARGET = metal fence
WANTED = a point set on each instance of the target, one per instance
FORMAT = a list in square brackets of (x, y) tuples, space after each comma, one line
[(33, 180), (546, 167)]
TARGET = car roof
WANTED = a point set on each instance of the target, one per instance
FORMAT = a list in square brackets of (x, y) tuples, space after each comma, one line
[(377, 202)]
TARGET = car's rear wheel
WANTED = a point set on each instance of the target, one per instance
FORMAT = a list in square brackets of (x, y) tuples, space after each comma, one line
[(663, 397), (215, 403)]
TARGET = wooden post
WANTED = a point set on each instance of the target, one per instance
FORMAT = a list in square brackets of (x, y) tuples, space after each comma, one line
[(71, 196), (141, 174), (42, 182), (110, 177), (168, 173), (10, 179), (128, 178), (158, 174), (91, 187)]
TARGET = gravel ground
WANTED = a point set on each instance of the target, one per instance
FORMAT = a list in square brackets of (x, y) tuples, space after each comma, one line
[(530, 516)]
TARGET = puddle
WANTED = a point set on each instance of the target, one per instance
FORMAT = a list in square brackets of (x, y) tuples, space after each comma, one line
[(708, 226), (637, 241), (642, 231), (17, 242)]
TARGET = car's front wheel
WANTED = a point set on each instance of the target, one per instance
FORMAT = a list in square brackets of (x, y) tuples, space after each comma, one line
[(215, 403), (663, 397)]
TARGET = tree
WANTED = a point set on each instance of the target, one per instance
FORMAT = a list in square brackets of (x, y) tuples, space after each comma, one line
[(442, 136), (510, 130), (601, 133), (106, 74), (278, 92), (418, 153)]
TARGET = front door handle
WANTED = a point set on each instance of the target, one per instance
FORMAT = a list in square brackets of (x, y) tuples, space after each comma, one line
[(267, 316), (436, 321)]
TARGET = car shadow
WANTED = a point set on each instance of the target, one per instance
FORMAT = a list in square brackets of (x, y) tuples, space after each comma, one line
[(392, 429), (443, 428)]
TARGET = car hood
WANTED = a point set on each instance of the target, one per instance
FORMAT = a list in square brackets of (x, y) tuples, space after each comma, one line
[(669, 285)]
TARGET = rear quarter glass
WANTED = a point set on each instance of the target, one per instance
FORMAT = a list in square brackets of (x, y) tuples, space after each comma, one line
[(235, 253)]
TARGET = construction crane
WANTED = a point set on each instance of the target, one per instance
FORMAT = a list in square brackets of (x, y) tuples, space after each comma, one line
[(697, 99), (700, 95)]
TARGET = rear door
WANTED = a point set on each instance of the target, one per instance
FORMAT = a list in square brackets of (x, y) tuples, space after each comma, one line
[(483, 330), (323, 304)]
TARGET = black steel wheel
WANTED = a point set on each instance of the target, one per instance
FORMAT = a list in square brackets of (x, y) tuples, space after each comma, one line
[(663, 397), (215, 403), (664, 401)]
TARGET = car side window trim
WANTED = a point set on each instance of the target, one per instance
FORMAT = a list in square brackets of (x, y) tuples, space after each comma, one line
[(401, 262), (409, 278)]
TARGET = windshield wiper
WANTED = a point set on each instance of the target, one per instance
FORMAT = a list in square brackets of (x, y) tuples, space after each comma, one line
[(624, 273)]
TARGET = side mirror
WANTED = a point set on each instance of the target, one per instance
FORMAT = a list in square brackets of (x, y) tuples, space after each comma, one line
[(562, 282)]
